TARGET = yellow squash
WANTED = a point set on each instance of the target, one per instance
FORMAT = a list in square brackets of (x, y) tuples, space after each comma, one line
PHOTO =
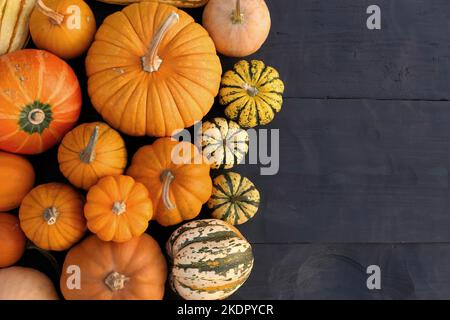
[(176, 3), (14, 19)]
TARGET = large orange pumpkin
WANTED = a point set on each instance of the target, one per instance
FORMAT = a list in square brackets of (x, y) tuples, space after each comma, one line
[(40, 100), (16, 180), (12, 240), (177, 177), (133, 270), (118, 208), (51, 216), (152, 70)]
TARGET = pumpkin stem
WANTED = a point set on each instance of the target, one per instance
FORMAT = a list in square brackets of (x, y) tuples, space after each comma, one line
[(36, 116), (251, 90), (50, 215), (116, 281), (119, 207), (55, 17), (166, 178), (88, 154), (237, 16), (151, 62)]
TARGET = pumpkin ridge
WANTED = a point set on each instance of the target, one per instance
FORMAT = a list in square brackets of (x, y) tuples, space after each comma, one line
[(8, 63), (17, 15), (182, 119), (192, 96), (183, 92)]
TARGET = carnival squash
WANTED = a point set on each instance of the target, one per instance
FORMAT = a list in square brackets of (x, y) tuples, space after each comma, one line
[(14, 20), (63, 27), (91, 151), (133, 270), (210, 260), (118, 208), (152, 70), (51, 216), (12, 240), (252, 93), (223, 143), (238, 27), (16, 180), (234, 199), (176, 3), (20, 283), (40, 100), (177, 177)]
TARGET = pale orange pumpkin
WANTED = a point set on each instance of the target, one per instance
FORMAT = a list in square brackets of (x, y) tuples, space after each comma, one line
[(118, 208), (18, 283), (152, 70), (63, 27), (40, 100), (238, 27), (133, 270), (177, 176), (16, 180), (12, 240), (51, 216), (91, 151)]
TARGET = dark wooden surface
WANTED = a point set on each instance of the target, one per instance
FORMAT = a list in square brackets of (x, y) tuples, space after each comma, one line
[(364, 153)]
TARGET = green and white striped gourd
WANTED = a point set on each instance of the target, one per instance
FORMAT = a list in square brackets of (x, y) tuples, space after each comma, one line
[(210, 260), (234, 199), (224, 143)]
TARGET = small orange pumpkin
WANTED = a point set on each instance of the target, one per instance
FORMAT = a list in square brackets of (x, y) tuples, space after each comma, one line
[(118, 208), (16, 180), (64, 27), (12, 240), (51, 216), (40, 100), (177, 176), (133, 270), (91, 151)]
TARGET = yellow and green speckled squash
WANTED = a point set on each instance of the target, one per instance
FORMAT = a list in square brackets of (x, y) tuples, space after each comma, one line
[(252, 93), (235, 198), (176, 3), (224, 143), (210, 260)]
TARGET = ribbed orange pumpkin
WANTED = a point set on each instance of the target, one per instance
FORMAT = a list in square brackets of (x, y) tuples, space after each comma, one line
[(133, 270), (51, 216), (91, 151), (118, 208), (177, 177), (40, 100), (152, 70)]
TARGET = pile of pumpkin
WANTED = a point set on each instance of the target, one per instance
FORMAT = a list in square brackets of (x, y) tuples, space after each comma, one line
[(151, 71)]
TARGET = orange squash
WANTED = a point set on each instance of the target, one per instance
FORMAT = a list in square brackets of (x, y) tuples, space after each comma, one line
[(16, 180), (133, 270), (238, 27), (40, 100), (51, 216), (177, 176), (91, 151), (12, 240), (152, 70), (176, 3), (118, 208), (64, 27)]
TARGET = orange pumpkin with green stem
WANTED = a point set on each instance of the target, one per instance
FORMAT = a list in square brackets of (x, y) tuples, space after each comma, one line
[(40, 101), (177, 176)]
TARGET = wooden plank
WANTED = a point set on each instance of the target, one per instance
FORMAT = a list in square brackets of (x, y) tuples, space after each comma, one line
[(356, 171), (304, 271), (324, 49)]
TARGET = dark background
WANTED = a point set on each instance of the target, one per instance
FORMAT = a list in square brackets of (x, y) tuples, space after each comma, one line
[(364, 153)]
